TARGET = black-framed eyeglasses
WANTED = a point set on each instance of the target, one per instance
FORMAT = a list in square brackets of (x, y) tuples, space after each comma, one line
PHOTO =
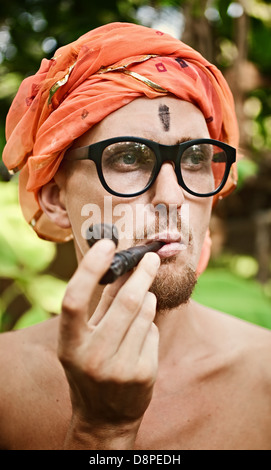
[(128, 166)]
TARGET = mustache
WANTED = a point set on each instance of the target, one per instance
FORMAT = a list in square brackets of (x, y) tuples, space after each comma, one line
[(159, 225)]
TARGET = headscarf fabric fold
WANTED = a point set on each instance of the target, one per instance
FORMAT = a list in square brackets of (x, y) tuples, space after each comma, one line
[(87, 80)]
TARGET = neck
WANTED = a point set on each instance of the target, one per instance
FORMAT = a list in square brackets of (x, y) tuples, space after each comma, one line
[(179, 330)]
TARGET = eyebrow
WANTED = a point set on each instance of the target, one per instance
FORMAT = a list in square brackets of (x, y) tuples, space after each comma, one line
[(178, 141), (185, 139)]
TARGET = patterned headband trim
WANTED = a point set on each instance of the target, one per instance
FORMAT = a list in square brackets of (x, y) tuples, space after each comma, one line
[(123, 68), (145, 80), (59, 83)]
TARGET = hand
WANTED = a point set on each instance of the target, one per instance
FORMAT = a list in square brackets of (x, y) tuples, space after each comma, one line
[(110, 360)]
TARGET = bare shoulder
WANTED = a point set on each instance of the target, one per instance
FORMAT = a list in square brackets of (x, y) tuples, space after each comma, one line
[(33, 385), (42, 333), (23, 346), (245, 332), (250, 344)]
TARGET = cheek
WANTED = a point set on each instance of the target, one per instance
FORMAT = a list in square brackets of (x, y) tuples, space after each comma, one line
[(84, 198), (200, 215), (88, 203)]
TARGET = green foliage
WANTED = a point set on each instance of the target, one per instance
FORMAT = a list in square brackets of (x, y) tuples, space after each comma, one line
[(246, 169), (24, 257), (228, 293), (261, 121), (229, 286), (20, 248), (260, 35)]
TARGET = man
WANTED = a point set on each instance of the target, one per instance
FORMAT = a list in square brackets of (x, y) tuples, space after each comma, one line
[(127, 112)]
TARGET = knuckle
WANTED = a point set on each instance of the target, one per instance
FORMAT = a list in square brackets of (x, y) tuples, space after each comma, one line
[(70, 303), (65, 357), (148, 309), (151, 299), (96, 366), (93, 370), (129, 300), (103, 373), (88, 268), (107, 292), (145, 376), (146, 315), (118, 372)]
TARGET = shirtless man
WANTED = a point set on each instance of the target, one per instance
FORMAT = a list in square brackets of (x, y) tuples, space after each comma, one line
[(136, 364)]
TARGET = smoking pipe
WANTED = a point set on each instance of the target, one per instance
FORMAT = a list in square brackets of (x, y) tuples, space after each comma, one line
[(124, 260)]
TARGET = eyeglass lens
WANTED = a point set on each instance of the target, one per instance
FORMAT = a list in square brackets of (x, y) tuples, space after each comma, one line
[(128, 167)]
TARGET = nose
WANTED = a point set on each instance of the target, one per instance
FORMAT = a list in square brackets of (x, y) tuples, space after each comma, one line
[(166, 189)]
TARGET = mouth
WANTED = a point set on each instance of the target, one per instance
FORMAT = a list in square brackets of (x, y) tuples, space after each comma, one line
[(172, 244)]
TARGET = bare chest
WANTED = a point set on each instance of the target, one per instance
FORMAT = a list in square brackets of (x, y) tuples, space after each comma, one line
[(210, 414), (217, 418)]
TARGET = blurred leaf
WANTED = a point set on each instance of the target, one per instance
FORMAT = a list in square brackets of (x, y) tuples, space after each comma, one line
[(47, 291), (246, 169), (244, 266), (19, 245), (9, 84), (34, 315), (8, 263), (259, 42), (228, 293), (22, 257)]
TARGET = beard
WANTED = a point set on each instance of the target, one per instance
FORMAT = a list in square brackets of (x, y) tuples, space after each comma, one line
[(173, 284), (171, 287)]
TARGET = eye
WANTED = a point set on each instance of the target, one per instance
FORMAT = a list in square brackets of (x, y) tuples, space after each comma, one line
[(197, 157), (129, 159), (128, 156)]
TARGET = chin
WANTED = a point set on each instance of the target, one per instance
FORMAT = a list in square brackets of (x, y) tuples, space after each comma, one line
[(173, 286)]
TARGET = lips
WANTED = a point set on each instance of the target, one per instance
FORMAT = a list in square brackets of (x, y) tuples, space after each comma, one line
[(172, 244)]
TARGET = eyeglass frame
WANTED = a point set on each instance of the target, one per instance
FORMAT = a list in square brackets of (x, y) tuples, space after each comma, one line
[(163, 153)]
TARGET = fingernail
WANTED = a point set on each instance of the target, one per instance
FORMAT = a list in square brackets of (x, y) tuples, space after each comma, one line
[(156, 260)]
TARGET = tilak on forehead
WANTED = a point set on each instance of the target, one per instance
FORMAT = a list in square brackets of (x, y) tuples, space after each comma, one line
[(89, 79), (164, 116)]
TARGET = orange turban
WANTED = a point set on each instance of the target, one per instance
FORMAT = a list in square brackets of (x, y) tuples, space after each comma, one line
[(90, 78)]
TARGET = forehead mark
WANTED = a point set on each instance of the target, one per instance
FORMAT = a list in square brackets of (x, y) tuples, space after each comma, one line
[(164, 116)]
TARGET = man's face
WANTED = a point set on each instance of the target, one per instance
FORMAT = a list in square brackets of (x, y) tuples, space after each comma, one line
[(168, 121)]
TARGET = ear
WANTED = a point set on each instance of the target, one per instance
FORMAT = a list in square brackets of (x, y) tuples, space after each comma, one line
[(52, 205), (205, 254)]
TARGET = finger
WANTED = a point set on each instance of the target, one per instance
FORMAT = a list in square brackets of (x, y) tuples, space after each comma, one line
[(149, 351), (108, 295), (144, 367), (128, 302), (135, 337), (75, 306)]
